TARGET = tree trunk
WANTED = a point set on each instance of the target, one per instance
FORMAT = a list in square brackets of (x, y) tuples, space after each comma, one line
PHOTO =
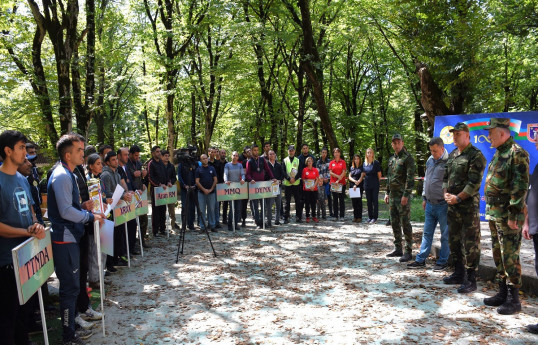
[(89, 110), (432, 96), (312, 66), (100, 113)]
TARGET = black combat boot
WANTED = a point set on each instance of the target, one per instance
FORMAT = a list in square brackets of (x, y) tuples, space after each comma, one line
[(512, 304), (397, 252), (499, 298), (457, 276), (406, 257), (469, 282), (533, 328)]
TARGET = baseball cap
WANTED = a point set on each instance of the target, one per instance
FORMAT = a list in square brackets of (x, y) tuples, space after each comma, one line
[(291, 147), (498, 122), (397, 136), (460, 126)]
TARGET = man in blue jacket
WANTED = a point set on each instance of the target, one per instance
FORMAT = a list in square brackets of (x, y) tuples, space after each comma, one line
[(68, 216)]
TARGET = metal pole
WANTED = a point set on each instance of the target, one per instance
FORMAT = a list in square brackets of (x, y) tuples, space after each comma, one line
[(97, 237), (43, 319), (140, 235), (233, 214), (127, 241)]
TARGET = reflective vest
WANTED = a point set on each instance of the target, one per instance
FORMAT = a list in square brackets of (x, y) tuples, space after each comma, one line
[(289, 166)]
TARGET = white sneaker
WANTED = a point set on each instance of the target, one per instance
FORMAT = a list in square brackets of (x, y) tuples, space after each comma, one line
[(91, 314), (83, 323)]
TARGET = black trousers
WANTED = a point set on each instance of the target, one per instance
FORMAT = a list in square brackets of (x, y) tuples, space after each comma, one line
[(83, 301), (535, 240), (338, 203), (244, 210), (310, 198), (12, 324), (224, 211), (357, 207), (158, 216), (289, 192), (372, 202), (131, 230)]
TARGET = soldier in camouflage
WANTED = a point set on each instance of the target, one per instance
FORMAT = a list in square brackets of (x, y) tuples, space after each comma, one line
[(507, 181), (461, 183), (400, 184)]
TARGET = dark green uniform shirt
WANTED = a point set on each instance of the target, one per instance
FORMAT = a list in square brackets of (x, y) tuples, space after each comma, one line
[(507, 182), (464, 173), (401, 173)]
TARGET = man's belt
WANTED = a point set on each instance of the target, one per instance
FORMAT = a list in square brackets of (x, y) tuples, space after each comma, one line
[(496, 200), (435, 202)]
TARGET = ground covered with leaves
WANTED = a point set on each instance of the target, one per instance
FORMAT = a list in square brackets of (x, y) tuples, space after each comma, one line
[(328, 283)]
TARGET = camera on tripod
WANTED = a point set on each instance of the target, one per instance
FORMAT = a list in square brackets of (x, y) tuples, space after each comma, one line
[(187, 155)]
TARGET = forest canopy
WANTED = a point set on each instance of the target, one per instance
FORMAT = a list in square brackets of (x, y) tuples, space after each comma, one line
[(232, 73)]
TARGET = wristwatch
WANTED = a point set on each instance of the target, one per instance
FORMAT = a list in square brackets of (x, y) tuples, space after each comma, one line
[(458, 199)]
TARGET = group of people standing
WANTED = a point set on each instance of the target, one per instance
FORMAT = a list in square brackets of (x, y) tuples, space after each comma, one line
[(451, 198), (313, 183)]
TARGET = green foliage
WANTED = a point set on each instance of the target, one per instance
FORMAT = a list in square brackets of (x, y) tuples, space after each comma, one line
[(480, 54)]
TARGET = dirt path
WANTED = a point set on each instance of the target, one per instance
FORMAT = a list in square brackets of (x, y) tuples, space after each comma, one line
[(301, 284)]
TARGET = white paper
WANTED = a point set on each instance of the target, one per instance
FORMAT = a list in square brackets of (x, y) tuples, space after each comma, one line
[(355, 193), (115, 199), (107, 237)]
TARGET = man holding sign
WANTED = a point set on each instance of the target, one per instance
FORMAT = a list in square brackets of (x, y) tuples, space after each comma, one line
[(17, 223), (158, 178), (68, 217), (233, 172), (258, 170)]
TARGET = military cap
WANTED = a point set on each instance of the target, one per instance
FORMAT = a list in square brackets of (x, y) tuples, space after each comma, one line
[(397, 136), (460, 126), (291, 147), (498, 122)]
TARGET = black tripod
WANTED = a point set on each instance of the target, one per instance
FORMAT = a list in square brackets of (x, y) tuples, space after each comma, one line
[(184, 215)]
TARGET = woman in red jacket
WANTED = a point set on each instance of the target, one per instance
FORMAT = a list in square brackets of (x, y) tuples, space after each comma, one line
[(338, 170), (311, 181)]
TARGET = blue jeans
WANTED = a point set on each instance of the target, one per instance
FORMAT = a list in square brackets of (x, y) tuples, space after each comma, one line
[(207, 201), (435, 214)]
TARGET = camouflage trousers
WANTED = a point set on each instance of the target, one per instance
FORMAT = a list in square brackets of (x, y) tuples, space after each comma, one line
[(506, 243), (464, 235), (400, 216)]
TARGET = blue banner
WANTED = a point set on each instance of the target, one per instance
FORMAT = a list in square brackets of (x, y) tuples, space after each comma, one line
[(524, 128)]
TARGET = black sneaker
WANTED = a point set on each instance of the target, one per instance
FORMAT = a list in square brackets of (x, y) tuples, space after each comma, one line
[(416, 264), (438, 267), (286, 221)]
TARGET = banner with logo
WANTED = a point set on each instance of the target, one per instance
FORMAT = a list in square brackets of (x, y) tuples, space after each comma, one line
[(124, 212), (235, 191), (141, 199), (33, 265), (523, 127), (165, 196), (260, 190)]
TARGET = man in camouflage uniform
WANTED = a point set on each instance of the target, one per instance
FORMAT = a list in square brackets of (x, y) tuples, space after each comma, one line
[(400, 182), (507, 181), (461, 183)]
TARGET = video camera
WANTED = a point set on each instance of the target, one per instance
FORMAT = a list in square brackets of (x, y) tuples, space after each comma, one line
[(187, 155)]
